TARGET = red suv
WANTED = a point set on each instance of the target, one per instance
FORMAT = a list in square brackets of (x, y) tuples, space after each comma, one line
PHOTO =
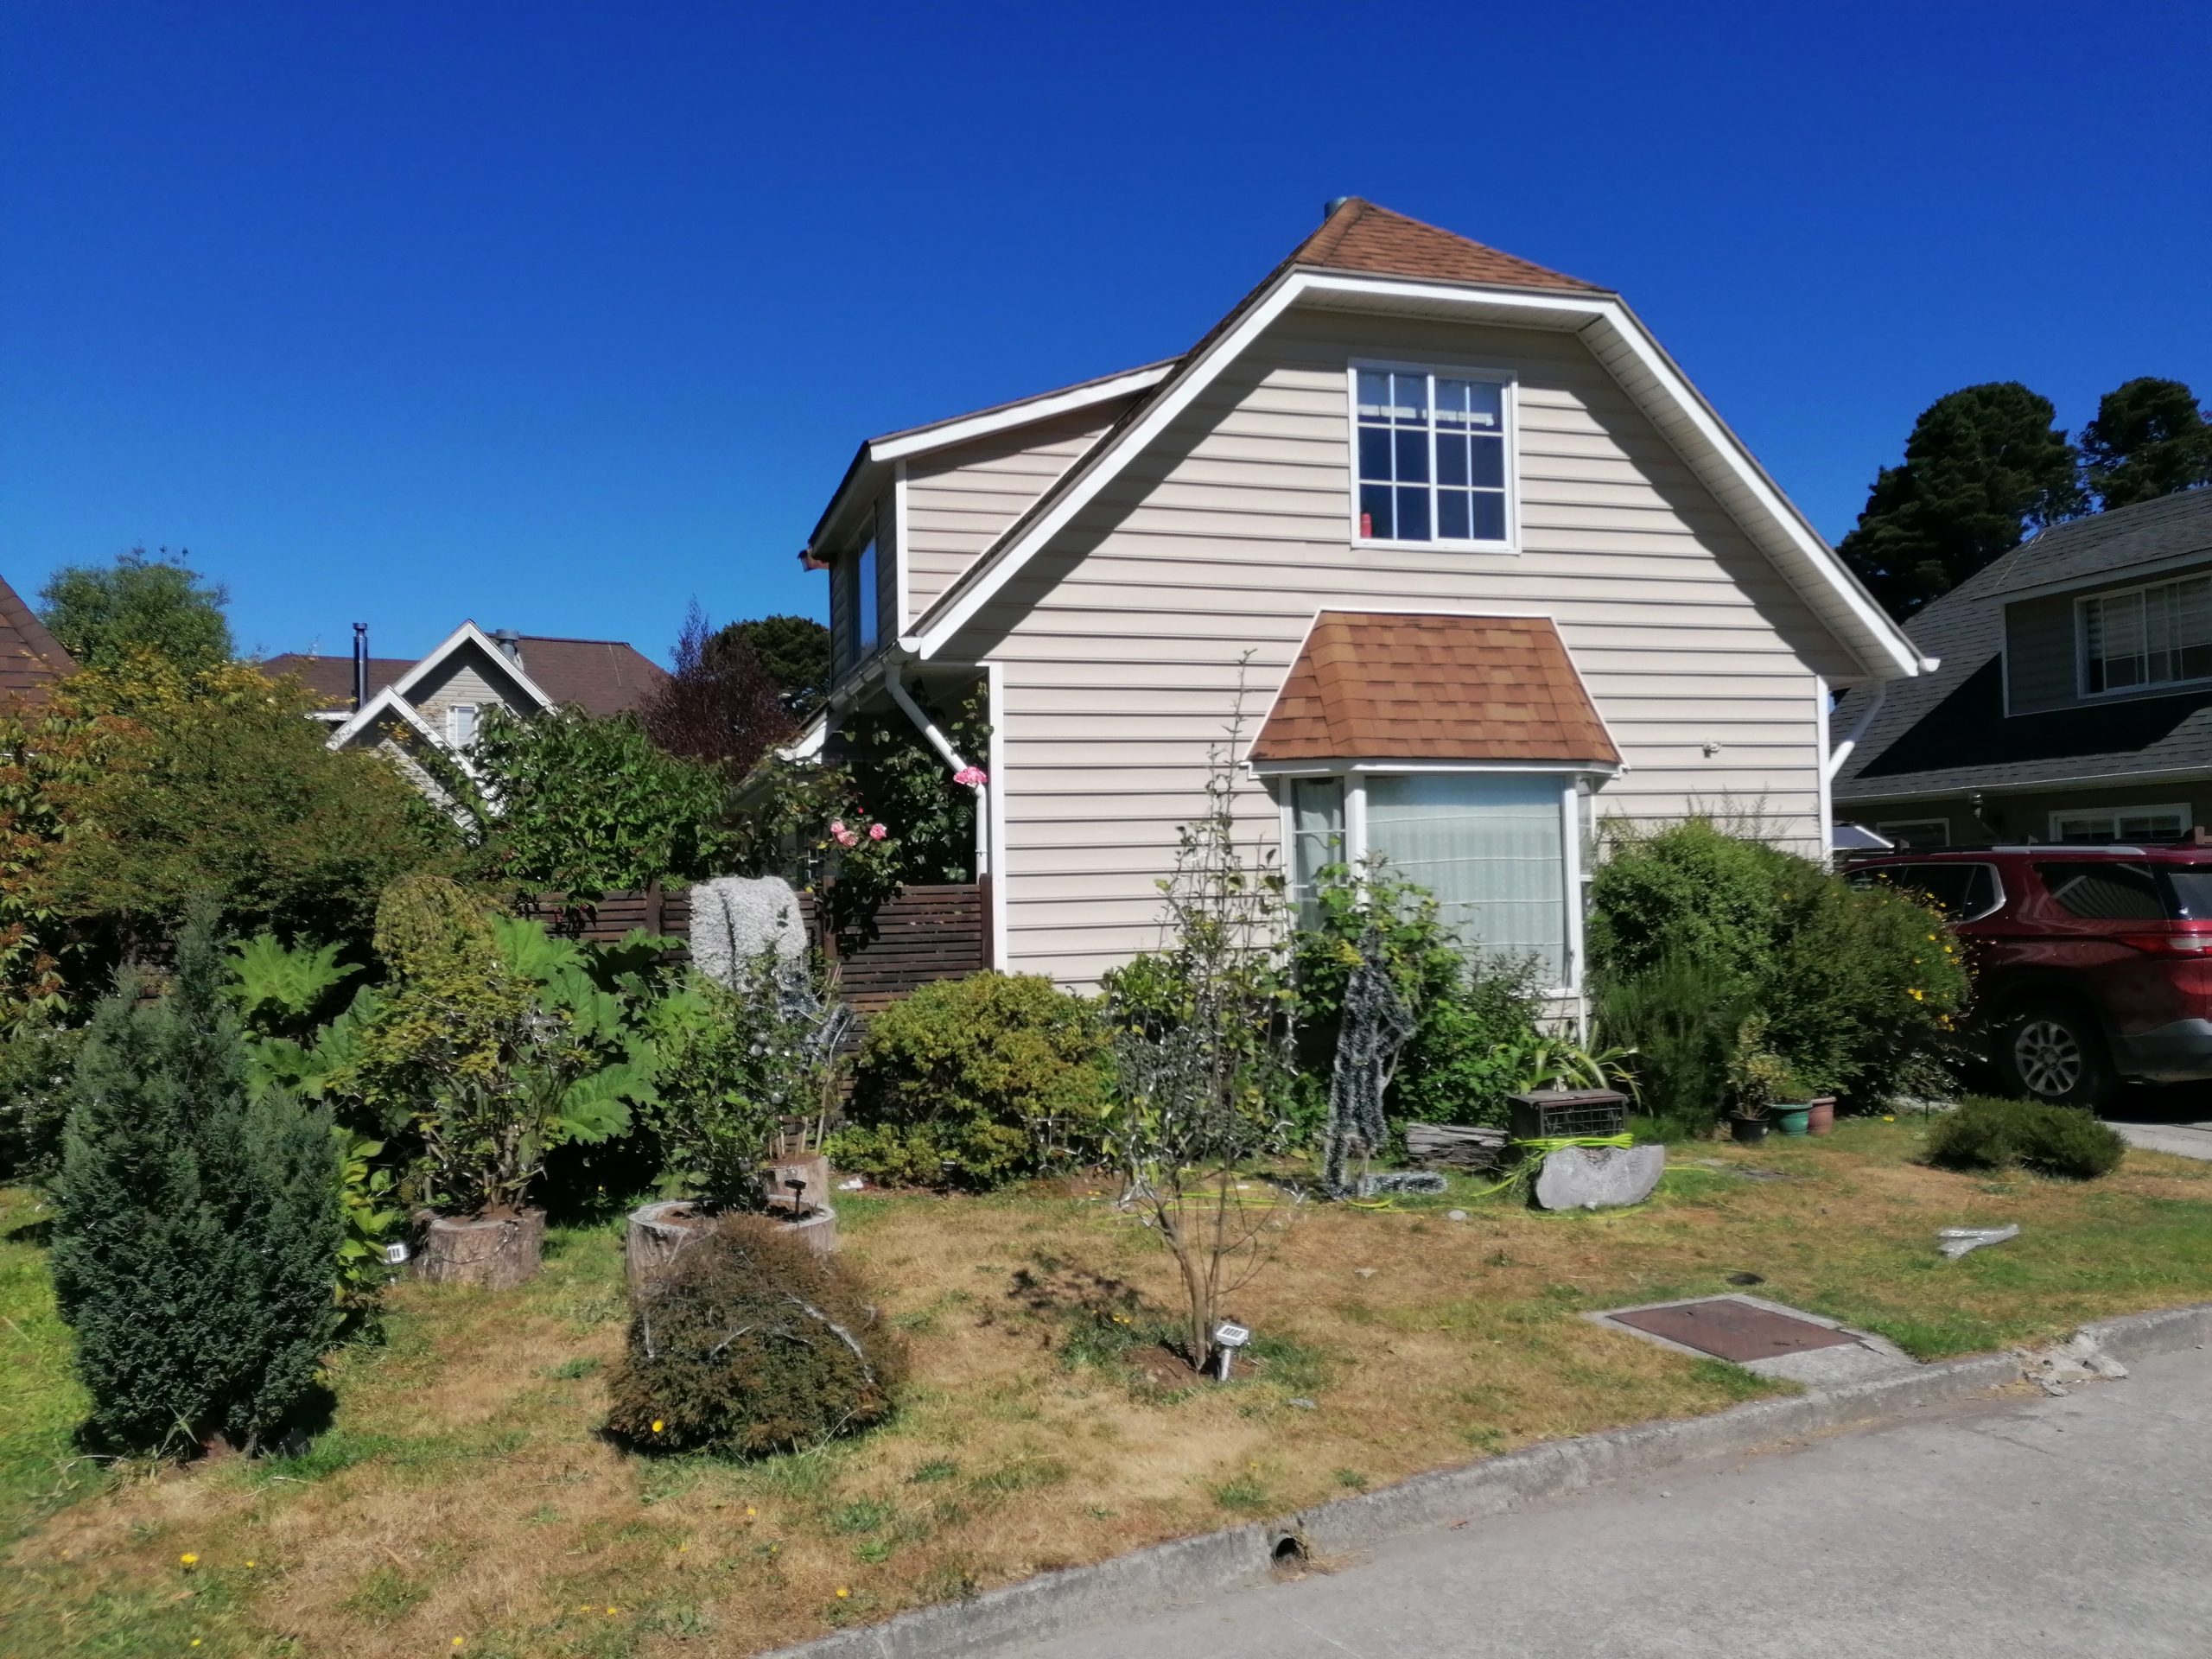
[(2092, 965)]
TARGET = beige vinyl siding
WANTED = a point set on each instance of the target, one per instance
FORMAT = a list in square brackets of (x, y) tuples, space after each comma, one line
[(961, 500), (1121, 643), (466, 676), (2041, 655)]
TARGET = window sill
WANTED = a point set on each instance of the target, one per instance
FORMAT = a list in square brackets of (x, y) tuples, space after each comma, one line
[(1361, 545)]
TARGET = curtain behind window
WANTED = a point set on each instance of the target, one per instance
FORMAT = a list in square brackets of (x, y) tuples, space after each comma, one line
[(1490, 846)]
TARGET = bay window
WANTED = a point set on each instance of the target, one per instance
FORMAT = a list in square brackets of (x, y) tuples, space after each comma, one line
[(1500, 849)]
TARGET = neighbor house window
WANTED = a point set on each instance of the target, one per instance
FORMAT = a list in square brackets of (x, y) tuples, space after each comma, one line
[(1915, 832), (2096, 825), (2159, 635), (460, 725), (1431, 457), (1499, 852)]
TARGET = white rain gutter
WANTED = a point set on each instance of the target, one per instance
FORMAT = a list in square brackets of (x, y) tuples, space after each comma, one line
[(1842, 752), (895, 682)]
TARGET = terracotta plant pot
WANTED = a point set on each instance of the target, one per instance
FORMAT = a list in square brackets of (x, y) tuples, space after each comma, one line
[(491, 1252), (1820, 1115), (1749, 1131)]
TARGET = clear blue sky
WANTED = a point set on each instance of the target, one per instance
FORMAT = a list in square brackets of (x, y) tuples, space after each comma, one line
[(556, 316)]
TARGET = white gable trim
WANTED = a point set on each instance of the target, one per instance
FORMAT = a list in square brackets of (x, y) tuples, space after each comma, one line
[(1619, 341), (467, 634), (1006, 418), (388, 702)]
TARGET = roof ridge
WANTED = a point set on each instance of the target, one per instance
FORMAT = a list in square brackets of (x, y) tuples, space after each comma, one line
[(1393, 241)]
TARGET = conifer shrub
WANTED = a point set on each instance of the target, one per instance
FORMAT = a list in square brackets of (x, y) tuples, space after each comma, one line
[(753, 1343), (198, 1224), (2063, 1141), (972, 1083)]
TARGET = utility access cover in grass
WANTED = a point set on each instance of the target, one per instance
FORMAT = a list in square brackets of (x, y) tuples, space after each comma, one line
[(1729, 1329)]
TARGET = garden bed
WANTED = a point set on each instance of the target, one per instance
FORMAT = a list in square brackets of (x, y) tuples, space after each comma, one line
[(464, 1490)]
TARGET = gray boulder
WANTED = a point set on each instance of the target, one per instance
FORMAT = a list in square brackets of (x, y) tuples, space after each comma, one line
[(1599, 1177), (737, 918)]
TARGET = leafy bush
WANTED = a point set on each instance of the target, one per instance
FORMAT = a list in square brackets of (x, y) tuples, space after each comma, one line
[(753, 1343), (734, 1062), (1857, 989), (198, 1224), (36, 1068), (972, 1083), (1476, 1018), (2059, 1141)]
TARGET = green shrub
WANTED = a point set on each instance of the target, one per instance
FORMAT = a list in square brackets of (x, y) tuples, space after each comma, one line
[(1475, 1017), (2058, 1141), (972, 1083), (36, 1065), (198, 1224), (753, 1343), (1858, 988)]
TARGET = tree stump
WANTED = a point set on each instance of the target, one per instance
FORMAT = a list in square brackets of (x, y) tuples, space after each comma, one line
[(491, 1252), (657, 1234), (815, 1222)]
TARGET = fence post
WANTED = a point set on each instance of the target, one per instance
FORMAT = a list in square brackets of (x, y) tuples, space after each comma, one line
[(653, 908)]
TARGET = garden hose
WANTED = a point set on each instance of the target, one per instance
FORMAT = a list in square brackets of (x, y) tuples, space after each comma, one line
[(1533, 1152)]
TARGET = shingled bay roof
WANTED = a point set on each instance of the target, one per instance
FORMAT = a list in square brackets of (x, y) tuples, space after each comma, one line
[(31, 659), (1390, 686)]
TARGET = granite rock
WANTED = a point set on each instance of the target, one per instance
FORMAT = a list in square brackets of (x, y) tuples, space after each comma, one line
[(1599, 1177)]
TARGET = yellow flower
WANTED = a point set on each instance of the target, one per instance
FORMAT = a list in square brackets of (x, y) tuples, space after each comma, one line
[(1931, 938), (842, 1592), (1888, 1118), (656, 1425), (249, 1563), (1916, 994), (749, 1509), (188, 1560), (610, 1612)]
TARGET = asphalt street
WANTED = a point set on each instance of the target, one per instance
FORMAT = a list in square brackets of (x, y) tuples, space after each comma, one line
[(2014, 1527)]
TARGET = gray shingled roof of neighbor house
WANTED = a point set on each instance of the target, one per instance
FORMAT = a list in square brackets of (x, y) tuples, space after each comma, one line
[(1948, 730)]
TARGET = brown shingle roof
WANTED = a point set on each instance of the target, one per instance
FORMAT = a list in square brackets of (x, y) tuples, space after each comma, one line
[(1385, 686), (31, 659), (331, 679), (601, 677), (1359, 236)]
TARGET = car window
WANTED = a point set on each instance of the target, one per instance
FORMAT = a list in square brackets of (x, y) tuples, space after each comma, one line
[(2104, 891), (1959, 890), (2190, 887)]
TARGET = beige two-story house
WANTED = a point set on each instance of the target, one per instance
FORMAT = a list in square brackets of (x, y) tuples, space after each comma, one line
[(2074, 702), (1478, 564)]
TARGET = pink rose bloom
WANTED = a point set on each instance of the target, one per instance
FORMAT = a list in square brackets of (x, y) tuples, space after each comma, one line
[(837, 828), (974, 777), (877, 832), (845, 837)]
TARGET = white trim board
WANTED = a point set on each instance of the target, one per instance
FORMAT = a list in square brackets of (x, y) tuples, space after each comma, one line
[(1619, 341)]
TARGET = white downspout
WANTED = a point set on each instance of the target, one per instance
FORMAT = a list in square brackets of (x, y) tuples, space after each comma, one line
[(896, 685), (1858, 729)]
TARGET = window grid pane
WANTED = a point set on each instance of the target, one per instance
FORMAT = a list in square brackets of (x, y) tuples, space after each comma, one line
[(1431, 457), (2160, 636), (1490, 846)]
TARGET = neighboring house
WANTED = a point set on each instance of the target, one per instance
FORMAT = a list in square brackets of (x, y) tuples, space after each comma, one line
[(398, 706), (1487, 568), (31, 659), (2073, 701)]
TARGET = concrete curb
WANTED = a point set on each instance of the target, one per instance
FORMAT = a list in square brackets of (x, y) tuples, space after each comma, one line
[(1059, 1603)]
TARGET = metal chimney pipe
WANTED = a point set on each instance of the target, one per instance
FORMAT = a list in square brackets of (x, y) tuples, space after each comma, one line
[(361, 666)]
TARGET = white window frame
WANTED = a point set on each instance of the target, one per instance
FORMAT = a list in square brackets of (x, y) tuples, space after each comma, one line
[(2111, 815), (1507, 384), (1576, 784), (1891, 828), (454, 712), (2146, 687)]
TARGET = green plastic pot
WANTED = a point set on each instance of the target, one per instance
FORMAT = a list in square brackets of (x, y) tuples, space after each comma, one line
[(1792, 1119)]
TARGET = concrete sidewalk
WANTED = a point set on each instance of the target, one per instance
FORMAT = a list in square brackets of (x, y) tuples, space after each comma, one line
[(2005, 1528), (2185, 1140)]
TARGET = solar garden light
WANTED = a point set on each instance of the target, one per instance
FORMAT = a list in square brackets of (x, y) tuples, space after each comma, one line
[(1227, 1337)]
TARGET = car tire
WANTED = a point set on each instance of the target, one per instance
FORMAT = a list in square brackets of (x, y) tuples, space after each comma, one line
[(2051, 1049)]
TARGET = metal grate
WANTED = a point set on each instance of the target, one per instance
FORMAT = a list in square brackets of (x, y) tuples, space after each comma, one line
[(1558, 1114), (1729, 1328)]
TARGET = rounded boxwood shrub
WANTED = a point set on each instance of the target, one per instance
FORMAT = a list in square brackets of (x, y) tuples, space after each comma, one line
[(973, 1083), (2060, 1141), (753, 1343)]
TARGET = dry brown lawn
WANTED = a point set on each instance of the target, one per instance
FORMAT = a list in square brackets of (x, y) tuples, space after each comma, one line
[(462, 1492)]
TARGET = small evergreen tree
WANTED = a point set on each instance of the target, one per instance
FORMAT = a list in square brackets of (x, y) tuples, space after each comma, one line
[(198, 1227)]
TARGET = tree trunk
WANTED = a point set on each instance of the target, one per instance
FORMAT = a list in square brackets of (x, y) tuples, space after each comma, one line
[(658, 1233), (491, 1252)]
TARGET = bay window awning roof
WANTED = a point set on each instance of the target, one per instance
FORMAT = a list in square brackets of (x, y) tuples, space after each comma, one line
[(1383, 685)]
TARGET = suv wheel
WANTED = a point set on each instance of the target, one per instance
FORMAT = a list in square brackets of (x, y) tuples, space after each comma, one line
[(2053, 1051)]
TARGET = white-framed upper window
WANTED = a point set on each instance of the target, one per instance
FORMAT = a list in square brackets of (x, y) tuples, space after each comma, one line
[(1501, 850), (460, 725), (1432, 456), (2097, 825), (2157, 635), (866, 602)]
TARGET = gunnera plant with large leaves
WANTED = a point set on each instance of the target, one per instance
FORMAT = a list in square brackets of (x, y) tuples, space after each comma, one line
[(198, 1225)]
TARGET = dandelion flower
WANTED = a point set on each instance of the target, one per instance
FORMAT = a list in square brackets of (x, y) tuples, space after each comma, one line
[(610, 1612), (249, 1563), (749, 1509), (842, 1592), (1888, 1118), (656, 1425), (188, 1560)]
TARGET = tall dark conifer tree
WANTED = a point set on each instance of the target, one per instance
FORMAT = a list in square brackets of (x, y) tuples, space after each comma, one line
[(2150, 439)]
